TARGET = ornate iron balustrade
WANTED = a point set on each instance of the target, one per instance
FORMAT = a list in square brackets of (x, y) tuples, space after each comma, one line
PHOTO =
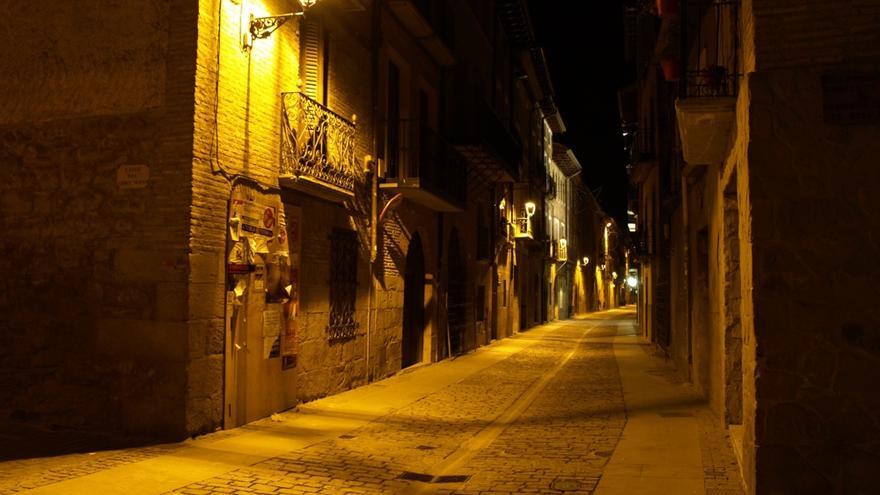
[(317, 143), (523, 228), (716, 69), (561, 250)]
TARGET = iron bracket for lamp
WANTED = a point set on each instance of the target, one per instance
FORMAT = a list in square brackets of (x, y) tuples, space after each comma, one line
[(262, 27)]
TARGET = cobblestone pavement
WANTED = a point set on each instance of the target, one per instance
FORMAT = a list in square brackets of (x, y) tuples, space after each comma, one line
[(23, 475), (544, 420)]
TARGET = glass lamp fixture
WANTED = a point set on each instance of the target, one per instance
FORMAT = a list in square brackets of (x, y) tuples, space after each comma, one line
[(530, 208), (586, 260)]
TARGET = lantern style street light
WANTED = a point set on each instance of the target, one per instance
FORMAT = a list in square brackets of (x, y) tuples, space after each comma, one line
[(263, 27)]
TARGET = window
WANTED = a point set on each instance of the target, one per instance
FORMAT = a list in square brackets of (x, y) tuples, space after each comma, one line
[(343, 284), (315, 57), (392, 156)]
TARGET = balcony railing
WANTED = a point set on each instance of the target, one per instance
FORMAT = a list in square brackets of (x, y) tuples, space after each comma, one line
[(562, 250), (714, 67), (318, 145), (523, 228), (481, 135), (418, 157)]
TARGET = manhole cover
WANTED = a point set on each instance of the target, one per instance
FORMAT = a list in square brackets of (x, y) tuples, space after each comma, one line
[(452, 478), (566, 485), (411, 476)]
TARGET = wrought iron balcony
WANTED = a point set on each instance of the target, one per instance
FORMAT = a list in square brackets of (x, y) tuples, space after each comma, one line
[(317, 149), (561, 250), (420, 165), (523, 228), (483, 138), (706, 109)]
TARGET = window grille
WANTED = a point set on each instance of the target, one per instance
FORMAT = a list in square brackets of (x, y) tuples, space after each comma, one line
[(343, 284)]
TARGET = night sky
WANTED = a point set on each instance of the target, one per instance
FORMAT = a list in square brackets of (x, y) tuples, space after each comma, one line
[(584, 50)]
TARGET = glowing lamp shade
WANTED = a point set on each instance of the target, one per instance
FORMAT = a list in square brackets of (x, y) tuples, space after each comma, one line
[(530, 208), (586, 260), (608, 225), (632, 282)]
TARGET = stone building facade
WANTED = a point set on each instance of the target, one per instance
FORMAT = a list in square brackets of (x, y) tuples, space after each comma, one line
[(756, 238), (227, 208)]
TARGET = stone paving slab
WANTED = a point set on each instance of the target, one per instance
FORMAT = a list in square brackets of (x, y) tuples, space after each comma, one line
[(555, 404)]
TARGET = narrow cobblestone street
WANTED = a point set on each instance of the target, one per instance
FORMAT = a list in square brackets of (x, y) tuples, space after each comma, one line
[(547, 411)]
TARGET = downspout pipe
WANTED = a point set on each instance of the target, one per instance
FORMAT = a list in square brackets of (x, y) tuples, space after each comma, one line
[(373, 172)]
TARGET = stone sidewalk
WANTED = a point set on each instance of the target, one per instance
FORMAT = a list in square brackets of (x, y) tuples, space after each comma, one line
[(547, 411)]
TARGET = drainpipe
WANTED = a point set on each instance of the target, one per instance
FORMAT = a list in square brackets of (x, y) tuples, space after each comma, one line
[(374, 177)]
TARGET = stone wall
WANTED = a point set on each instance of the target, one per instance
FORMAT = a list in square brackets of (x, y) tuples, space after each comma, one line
[(814, 228), (95, 143)]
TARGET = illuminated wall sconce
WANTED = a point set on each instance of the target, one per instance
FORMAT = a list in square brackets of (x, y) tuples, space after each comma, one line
[(608, 225), (586, 260), (614, 275), (263, 27), (632, 282), (524, 224), (602, 267)]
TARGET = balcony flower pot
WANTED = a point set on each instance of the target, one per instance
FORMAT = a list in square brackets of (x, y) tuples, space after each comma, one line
[(666, 8), (671, 66)]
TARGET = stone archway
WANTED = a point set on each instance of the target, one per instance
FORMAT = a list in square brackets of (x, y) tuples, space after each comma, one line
[(413, 304)]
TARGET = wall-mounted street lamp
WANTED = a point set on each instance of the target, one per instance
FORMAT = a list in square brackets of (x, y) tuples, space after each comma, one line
[(586, 260), (263, 27), (524, 224)]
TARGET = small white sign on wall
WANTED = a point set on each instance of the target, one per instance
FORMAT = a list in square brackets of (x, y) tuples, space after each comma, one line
[(132, 176)]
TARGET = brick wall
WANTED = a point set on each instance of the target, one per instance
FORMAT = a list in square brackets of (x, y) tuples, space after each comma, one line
[(813, 230)]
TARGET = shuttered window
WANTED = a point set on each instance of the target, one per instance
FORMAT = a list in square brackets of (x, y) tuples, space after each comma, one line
[(314, 60)]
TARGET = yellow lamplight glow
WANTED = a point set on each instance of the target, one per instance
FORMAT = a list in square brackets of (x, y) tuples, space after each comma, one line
[(530, 208)]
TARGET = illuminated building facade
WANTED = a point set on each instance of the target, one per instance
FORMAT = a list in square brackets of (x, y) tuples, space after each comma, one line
[(216, 210), (755, 204)]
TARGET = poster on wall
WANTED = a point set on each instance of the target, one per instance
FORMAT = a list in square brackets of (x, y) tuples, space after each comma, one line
[(272, 331), (293, 239)]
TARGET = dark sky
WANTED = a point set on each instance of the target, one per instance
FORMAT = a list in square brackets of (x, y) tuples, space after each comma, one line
[(584, 50)]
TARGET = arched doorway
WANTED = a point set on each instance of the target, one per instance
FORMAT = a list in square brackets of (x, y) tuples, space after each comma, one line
[(413, 304), (455, 303)]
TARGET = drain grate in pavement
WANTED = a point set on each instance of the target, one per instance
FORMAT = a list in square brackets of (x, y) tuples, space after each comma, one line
[(346, 437), (411, 476), (426, 447), (676, 414), (604, 453), (452, 478)]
